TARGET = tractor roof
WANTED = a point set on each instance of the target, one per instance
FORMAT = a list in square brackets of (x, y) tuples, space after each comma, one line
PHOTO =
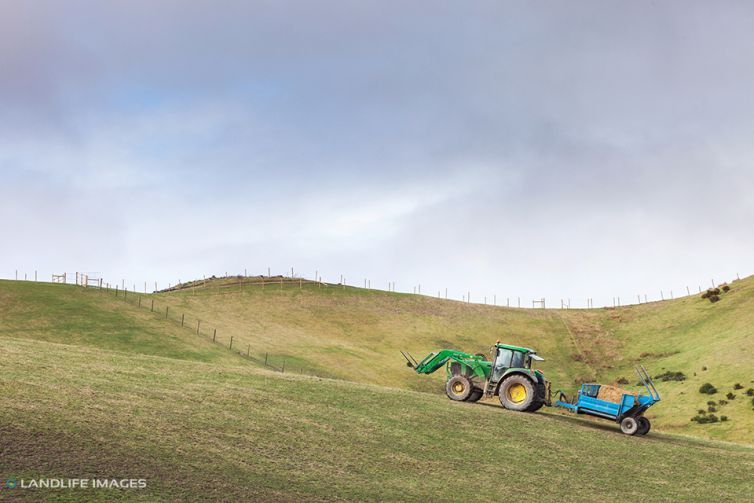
[(515, 348)]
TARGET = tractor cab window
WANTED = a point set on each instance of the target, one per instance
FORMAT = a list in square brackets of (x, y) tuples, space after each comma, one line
[(502, 362), (518, 360), (503, 359)]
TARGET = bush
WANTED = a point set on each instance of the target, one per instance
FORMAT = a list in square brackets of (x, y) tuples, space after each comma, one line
[(723, 402), (723, 418), (738, 386), (714, 298), (711, 408), (671, 376), (704, 368), (701, 411), (750, 392), (725, 288), (708, 389), (752, 401), (712, 402), (705, 419), (622, 380), (730, 396)]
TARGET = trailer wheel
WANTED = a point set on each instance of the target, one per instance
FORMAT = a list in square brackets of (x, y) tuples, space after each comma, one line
[(458, 388), (475, 395), (644, 425), (516, 393), (629, 425)]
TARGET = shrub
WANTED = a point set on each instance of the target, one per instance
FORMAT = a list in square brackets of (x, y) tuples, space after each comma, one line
[(671, 376), (714, 298), (750, 392), (705, 295), (712, 402), (704, 368), (725, 288), (723, 418), (622, 380), (705, 419), (738, 386), (752, 401), (708, 389), (701, 412), (711, 408), (730, 396), (723, 402)]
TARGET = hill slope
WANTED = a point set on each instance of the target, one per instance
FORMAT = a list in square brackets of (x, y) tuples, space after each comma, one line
[(206, 431), (355, 334)]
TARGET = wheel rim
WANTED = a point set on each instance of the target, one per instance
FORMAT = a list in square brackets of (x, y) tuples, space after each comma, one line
[(517, 393), (458, 388)]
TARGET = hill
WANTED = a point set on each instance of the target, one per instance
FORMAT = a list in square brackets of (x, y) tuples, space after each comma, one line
[(356, 334), (199, 431)]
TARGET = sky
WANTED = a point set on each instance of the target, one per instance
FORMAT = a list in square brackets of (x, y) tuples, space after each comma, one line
[(565, 150)]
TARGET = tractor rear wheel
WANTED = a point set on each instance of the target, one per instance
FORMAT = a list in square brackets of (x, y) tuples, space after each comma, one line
[(517, 393), (644, 425), (475, 395), (629, 426), (535, 407), (458, 388)]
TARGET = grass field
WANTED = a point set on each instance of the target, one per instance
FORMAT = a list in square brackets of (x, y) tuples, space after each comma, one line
[(216, 432), (356, 334), (95, 386)]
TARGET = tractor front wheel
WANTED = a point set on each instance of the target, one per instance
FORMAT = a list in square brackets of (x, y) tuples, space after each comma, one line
[(629, 426), (517, 393), (458, 388)]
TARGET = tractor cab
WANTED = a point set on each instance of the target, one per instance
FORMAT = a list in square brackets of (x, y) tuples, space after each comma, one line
[(506, 357)]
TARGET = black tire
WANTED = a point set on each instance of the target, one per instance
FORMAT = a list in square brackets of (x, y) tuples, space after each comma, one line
[(458, 388), (475, 395), (517, 393), (629, 426), (644, 425), (535, 407)]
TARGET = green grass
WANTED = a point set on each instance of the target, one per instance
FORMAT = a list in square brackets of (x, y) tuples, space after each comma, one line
[(217, 432), (356, 334), (71, 315)]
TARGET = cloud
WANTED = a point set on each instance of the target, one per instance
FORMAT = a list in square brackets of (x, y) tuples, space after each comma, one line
[(535, 149)]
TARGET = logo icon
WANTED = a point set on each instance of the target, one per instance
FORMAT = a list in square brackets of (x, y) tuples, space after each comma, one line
[(11, 483)]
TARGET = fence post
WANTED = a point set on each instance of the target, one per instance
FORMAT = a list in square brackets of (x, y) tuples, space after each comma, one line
[(182, 318), (283, 369), (139, 300), (265, 359), (198, 322), (166, 312), (248, 350), (116, 287), (35, 275), (214, 335), (231, 341), (151, 308)]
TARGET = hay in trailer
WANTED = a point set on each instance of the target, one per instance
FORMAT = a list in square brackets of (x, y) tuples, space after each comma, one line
[(613, 394)]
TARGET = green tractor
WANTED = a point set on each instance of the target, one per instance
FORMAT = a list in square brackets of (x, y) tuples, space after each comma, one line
[(509, 376)]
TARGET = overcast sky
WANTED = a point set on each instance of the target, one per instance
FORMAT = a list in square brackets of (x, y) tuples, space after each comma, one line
[(557, 149)]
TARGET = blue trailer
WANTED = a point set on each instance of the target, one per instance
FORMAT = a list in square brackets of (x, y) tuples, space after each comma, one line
[(629, 413)]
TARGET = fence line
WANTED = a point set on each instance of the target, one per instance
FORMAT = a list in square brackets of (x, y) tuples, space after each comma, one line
[(281, 281)]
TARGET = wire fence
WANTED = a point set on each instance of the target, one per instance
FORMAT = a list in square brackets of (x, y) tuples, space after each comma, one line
[(281, 281)]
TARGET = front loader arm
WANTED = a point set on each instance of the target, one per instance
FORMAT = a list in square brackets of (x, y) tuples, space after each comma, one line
[(434, 361)]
